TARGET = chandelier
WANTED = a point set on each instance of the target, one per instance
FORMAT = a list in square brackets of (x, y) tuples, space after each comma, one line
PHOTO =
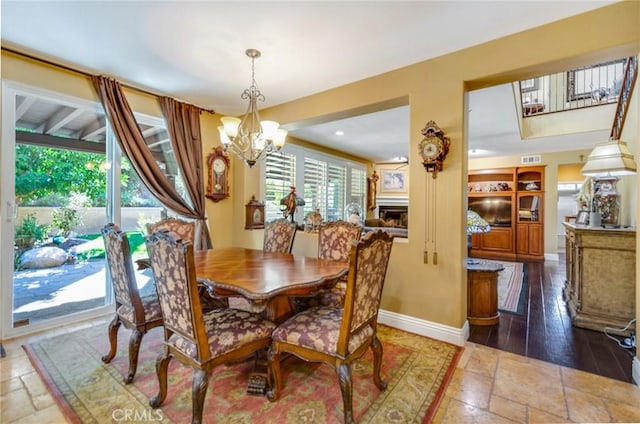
[(250, 138)]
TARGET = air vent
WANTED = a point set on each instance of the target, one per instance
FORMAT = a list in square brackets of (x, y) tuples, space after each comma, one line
[(527, 160)]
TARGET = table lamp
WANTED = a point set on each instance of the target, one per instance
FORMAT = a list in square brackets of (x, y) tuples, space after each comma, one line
[(475, 225)]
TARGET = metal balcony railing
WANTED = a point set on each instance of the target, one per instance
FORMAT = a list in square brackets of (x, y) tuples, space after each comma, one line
[(578, 88)]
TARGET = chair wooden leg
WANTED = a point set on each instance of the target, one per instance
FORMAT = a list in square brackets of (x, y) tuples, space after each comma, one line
[(134, 349), (162, 364), (344, 376), (376, 347), (273, 371), (114, 325), (198, 393)]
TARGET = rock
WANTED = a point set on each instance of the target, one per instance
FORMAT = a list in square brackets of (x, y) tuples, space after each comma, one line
[(43, 257)]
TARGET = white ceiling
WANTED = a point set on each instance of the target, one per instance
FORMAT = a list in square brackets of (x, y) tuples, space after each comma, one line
[(194, 51)]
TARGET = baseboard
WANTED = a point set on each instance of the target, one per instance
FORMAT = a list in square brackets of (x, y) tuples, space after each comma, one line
[(635, 370), (445, 333)]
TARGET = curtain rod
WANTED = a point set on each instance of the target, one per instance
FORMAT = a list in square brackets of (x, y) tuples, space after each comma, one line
[(87, 74)]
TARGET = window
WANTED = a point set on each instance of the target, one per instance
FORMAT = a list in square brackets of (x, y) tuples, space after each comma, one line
[(279, 177), (327, 183)]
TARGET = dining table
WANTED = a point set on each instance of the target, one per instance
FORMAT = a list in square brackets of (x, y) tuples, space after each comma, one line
[(266, 279)]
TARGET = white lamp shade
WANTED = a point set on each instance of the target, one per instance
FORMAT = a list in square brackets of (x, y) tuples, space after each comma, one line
[(611, 158), (231, 125), (269, 129), (224, 138), (280, 138)]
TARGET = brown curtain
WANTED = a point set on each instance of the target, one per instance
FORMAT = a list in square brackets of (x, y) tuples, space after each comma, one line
[(132, 143), (183, 124)]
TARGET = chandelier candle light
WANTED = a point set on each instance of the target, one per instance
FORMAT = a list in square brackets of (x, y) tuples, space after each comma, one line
[(250, 138)]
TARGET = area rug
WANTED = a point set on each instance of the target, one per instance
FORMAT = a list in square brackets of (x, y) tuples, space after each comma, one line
[(511, 287), (417, 369)]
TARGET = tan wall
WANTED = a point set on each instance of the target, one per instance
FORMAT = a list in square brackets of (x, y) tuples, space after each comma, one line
[(570, 173), (435, 90)]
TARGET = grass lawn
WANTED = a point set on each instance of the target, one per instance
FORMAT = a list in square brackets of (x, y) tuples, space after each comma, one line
[(94, 248)]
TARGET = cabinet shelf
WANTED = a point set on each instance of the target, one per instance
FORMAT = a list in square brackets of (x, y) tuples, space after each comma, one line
[(514, 212)]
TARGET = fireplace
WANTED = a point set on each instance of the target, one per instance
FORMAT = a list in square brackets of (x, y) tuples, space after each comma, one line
[(394, 215)]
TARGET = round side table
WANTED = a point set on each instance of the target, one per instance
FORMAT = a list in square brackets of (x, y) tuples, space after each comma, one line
[(482, 292)]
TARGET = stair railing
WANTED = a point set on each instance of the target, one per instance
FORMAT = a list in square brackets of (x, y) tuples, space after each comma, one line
[(628, 81), (589, 86)]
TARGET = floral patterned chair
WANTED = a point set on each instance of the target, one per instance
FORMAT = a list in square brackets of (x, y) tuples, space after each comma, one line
[(339, 336), (279, 235), (334, 243), (196, 339), (139, 314), (185, 231)]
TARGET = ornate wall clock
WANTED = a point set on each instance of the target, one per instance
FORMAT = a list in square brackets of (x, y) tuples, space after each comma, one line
[(218, 176), (434, 148), (254, 214)]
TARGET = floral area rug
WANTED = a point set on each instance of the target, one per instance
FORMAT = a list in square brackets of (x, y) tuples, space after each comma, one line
[(416, 368)]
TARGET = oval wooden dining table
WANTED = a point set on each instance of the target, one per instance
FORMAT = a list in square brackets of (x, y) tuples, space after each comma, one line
[(265, 279)]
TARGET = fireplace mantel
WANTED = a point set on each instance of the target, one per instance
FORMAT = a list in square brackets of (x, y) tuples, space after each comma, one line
[(392, 200)]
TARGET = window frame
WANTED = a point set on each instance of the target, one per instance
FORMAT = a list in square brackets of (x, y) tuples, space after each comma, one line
[(300, 154)]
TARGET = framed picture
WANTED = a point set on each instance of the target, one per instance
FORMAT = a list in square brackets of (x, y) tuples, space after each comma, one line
[(393, 181), (582, 218)]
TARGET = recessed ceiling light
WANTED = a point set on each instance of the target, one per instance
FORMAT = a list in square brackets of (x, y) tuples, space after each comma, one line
[(339, 132)]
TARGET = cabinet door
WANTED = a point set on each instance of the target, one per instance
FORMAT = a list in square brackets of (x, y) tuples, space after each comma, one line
[(535, 240), (498, 239), (522, 239)]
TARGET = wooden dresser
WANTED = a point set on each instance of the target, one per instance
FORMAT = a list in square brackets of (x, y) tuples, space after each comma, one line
[(600, 287)]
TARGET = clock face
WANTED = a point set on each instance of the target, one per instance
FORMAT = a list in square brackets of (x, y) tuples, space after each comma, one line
[(257, 215), (219, 166), (431, 149)]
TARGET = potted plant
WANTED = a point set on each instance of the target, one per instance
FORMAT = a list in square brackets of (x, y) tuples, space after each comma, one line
[(29, 232)]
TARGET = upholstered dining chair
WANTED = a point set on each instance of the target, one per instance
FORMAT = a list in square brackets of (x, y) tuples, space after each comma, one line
[(196, 339), (279, 235), (139, 314), (334, 243), (339, 336), (184, 230)]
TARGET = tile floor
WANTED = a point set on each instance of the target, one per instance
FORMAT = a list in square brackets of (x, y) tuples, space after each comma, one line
[(488, 386)]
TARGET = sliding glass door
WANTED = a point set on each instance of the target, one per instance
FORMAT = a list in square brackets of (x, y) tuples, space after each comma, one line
[(63, 179)]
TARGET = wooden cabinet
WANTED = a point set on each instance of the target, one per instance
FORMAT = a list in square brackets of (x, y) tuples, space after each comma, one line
[(600, 286), (511, 201)]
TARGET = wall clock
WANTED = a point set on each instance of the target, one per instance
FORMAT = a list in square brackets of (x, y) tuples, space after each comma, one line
[(254, 214), (433, 148), (218, 176)]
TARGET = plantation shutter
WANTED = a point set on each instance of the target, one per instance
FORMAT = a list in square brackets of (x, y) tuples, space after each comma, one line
[(358, 188), (336, 193), (315, 187), (280, 170)]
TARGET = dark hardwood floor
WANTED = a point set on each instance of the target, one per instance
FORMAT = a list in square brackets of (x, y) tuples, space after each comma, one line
[(545, 332)]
